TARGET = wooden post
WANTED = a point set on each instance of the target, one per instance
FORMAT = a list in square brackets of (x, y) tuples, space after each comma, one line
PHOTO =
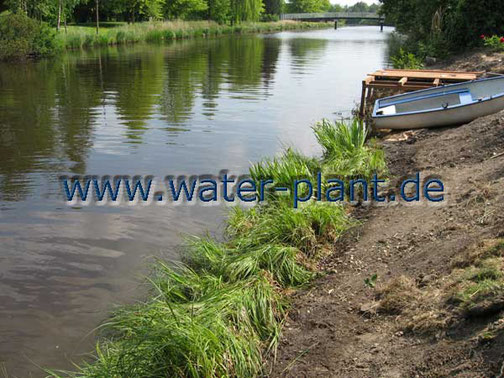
[(97, 17), (59, 16), (363, 99), (366, 94)]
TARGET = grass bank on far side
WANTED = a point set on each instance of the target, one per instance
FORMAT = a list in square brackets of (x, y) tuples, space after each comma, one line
[(159, 31)]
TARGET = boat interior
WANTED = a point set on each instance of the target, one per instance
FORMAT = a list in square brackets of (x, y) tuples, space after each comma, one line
[(431, 99)]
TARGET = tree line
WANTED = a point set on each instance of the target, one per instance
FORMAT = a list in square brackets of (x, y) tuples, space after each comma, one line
[(57, 12), (315, 6), (441, 27)]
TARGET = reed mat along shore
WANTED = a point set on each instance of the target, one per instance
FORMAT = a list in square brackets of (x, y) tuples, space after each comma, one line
[(219, 313)]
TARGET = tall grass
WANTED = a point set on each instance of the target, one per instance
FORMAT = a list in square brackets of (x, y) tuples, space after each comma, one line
[(283, 170), (345, 152), (196, 325), (163, 31), (304, 228), (219, 313)]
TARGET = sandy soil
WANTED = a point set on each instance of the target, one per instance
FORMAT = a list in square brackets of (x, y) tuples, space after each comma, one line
[(475, 61), (336, 328)]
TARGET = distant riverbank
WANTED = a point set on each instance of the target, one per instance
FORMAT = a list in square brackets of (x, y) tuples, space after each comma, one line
[(85, 36)]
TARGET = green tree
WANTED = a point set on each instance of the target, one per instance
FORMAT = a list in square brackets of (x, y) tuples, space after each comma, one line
[(336, 8), (374, 8), (219, 10), (466, 20), (359, 7), (273, 6), (44, 10), (444, 25), (183, 9), (21, 36), (309, 6), (139, 10), (246, 10)]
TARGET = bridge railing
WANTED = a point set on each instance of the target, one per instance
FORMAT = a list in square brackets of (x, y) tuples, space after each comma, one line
[(329, 15)]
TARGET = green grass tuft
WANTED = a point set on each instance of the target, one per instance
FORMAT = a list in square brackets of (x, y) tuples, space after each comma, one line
[(303, 228), (345, 152), (283, 170)]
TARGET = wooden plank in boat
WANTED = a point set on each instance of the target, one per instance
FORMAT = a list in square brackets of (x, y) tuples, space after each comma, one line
[(427, 74)]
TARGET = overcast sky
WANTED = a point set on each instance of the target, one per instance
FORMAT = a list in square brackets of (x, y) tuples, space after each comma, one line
[(352, 2)]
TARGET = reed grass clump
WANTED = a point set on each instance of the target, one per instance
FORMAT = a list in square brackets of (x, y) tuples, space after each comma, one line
[(345, 151), (283, 170), (220, 311), (241, 260), (304, 228), (196, 326)]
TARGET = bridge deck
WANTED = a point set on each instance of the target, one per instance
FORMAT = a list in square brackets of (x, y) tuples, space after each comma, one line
[(331, 16)]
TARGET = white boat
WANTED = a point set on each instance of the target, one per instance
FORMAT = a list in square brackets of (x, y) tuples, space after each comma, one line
[(448, 105)]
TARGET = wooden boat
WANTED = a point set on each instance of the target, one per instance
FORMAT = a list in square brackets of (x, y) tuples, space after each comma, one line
[(446, 105)]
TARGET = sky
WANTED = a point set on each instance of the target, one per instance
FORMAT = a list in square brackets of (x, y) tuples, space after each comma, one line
[(352, 2)]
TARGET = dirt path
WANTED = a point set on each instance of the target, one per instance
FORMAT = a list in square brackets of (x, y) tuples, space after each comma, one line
[(338, 328)]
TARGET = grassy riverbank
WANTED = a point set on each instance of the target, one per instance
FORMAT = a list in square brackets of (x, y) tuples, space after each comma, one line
[(221, 311), (435, 306), (86, 36), (419, 290)]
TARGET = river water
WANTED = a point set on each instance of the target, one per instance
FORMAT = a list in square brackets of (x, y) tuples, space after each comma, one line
[(191, 107)]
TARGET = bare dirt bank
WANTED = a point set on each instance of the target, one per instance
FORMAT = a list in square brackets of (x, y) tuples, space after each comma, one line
[(437, 308), (475, 61)]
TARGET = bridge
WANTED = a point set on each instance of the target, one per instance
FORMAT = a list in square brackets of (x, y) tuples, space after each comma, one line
[(333, 16)]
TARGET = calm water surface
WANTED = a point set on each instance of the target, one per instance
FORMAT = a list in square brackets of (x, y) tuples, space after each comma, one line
[(193, 107)]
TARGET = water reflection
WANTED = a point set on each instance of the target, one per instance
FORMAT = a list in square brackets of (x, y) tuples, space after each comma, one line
[(305, 51), (192, 107), (48, 109)]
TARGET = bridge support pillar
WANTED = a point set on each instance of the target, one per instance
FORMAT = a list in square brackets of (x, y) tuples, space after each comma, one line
[(335, 24)]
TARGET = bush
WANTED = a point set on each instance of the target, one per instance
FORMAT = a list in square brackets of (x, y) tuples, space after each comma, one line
[(103, 40), (169, 35), (406, 60), (154, 36), (120, 37), (449, 26), (44, 42), (270, 18), (74, 41), (495, 42), (21, 37), (89, 40), (465, 21)]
